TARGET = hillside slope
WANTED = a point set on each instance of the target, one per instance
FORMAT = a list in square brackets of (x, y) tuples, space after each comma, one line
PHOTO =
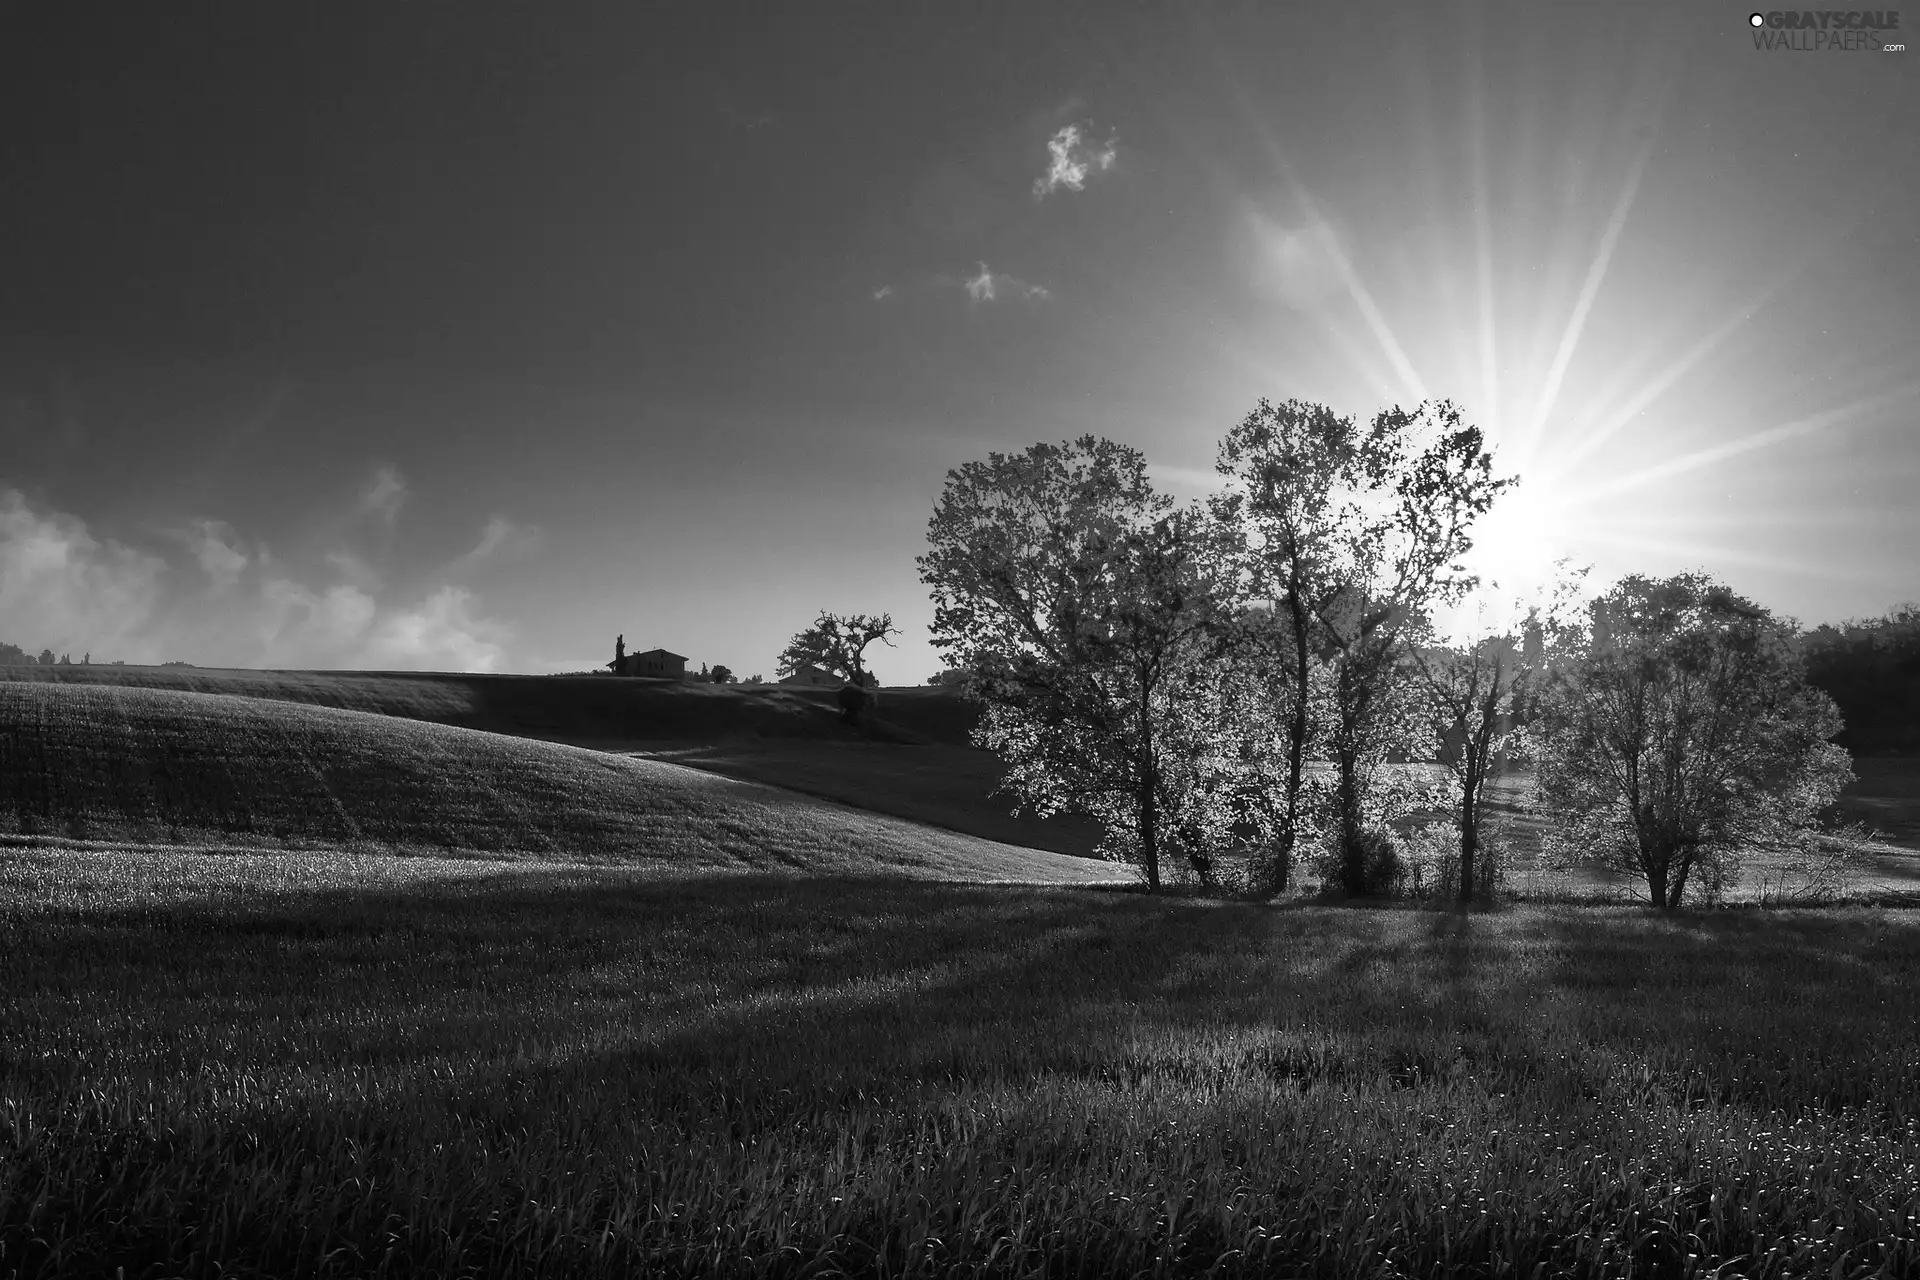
[(916, 765), (580, 710), (100, 762)]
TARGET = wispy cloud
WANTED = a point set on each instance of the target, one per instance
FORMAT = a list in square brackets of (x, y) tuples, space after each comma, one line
[(383, 494), (987, 285), (1071, 158), (501, 539), (206, 596), (884, 291), (215, 549)]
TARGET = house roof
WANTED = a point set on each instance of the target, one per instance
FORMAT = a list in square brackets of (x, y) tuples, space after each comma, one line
[(660, 653)]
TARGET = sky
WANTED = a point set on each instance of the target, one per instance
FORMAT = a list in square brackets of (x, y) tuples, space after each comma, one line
[(470, 337)]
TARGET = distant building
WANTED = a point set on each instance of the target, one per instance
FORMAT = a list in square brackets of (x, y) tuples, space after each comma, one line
[(658, 663), (814, 678)]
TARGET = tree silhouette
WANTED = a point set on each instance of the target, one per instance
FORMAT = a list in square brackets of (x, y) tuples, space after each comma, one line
[(837, 645)]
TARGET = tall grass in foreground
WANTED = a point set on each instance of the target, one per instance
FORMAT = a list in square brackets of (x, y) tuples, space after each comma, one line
[(586, 1073)]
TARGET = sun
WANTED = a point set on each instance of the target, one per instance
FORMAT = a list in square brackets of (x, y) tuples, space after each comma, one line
[(1516, 544)]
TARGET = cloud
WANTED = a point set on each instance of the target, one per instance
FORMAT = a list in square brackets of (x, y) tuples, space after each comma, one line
[(441, 632), (1071, 158), (501, 539), (76, 591), (382, 496), (987, 286), (212, 544), (884, 291), (215, 603)]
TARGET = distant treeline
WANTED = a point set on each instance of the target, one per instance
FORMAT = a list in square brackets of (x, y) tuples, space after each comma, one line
[(1871, 669), (12, 655)]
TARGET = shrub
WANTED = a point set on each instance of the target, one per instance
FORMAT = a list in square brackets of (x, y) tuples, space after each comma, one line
[(1432, 856), (1383, 871)]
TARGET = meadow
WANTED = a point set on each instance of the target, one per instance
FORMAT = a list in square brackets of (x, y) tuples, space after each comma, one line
[(298, 990), (467, 1068)]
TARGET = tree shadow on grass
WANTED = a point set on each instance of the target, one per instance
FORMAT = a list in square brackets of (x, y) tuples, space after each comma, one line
[(1768, 1010)]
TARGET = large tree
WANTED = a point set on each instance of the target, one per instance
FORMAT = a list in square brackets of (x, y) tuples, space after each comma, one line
[(1291, 471), (837, 644), (1081, 602), (1353, 531), (1685, 733)]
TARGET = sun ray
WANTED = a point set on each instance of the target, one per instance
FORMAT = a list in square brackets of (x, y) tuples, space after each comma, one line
[(1483, 248), (1586, 437), (1349, 277), (1845, 415), (1596, 273), (1592, 437), (1709, 554)]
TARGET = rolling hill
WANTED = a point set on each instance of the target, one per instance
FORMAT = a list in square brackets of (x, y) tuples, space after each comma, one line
[(117, 764), (914, 763)]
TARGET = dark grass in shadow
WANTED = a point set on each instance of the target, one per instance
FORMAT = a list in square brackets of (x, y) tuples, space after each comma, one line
[(580, 1073)]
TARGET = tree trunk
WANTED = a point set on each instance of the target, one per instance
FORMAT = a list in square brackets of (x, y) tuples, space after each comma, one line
[(1353, 850), (1296, 742), (1150, 833), (1655, 867), (1149, 797), (1679, 885), (1469, 836), (1296, 773)]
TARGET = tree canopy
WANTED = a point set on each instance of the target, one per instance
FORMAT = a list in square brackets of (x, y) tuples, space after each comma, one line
[(1682, 733), (837, 644), (1079, 600)]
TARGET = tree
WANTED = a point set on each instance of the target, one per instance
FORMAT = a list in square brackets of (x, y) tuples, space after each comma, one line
[(1425, 478), (1477, 696), (722, 675), (13, 655), (1351, 532), (46, 657), (1683, 733), (1287, 469), (1081, 602), (837, 645)]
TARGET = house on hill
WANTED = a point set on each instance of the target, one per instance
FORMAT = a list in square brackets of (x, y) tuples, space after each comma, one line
[(658, 663), (813, 678)]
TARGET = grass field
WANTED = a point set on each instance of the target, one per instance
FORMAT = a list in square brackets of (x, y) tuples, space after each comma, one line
[(127, 766), (468, 1068), (294, 988)]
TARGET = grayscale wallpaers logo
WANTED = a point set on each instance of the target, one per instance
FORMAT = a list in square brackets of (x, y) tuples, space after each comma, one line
[(1826, 30)]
